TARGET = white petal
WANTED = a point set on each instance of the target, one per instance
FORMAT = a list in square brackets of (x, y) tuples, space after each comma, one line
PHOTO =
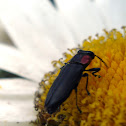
[(16, 101), (4, 38), (113, 12), (16, 124), (36, 27), (14, 61), (82, 16), (17, 87)]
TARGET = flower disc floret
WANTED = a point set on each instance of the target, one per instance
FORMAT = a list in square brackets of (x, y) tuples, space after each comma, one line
[(106, 106)]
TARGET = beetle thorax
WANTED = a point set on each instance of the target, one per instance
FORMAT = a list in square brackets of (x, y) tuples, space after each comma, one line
[(86, 59)]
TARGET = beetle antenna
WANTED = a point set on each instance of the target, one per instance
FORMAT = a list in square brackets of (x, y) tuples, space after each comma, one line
[(102, 61)]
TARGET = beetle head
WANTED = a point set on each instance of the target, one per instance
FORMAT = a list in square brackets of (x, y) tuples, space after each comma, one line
[(89, 53), (85, 57), (88, 56)]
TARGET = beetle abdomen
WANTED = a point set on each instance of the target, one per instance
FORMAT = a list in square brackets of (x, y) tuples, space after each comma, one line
[(62, 87)]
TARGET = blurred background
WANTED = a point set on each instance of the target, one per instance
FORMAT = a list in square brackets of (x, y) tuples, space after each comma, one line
[(35, 32)]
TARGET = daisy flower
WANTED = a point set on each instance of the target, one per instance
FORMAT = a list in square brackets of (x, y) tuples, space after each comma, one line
[(40, 34)]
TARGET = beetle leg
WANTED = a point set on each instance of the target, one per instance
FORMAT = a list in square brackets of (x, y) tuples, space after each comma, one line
[(95, 71), (76, 101), (86, 75)]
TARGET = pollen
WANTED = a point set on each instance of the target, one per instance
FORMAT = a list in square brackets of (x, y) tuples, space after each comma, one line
[(106, 104)]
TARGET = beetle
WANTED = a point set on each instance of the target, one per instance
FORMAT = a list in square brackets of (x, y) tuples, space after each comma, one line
[(69, 78)]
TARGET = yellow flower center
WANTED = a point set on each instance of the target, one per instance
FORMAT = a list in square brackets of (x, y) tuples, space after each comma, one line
[(106, 106)]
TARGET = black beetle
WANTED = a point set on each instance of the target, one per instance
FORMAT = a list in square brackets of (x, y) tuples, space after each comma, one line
[(68, 79)]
